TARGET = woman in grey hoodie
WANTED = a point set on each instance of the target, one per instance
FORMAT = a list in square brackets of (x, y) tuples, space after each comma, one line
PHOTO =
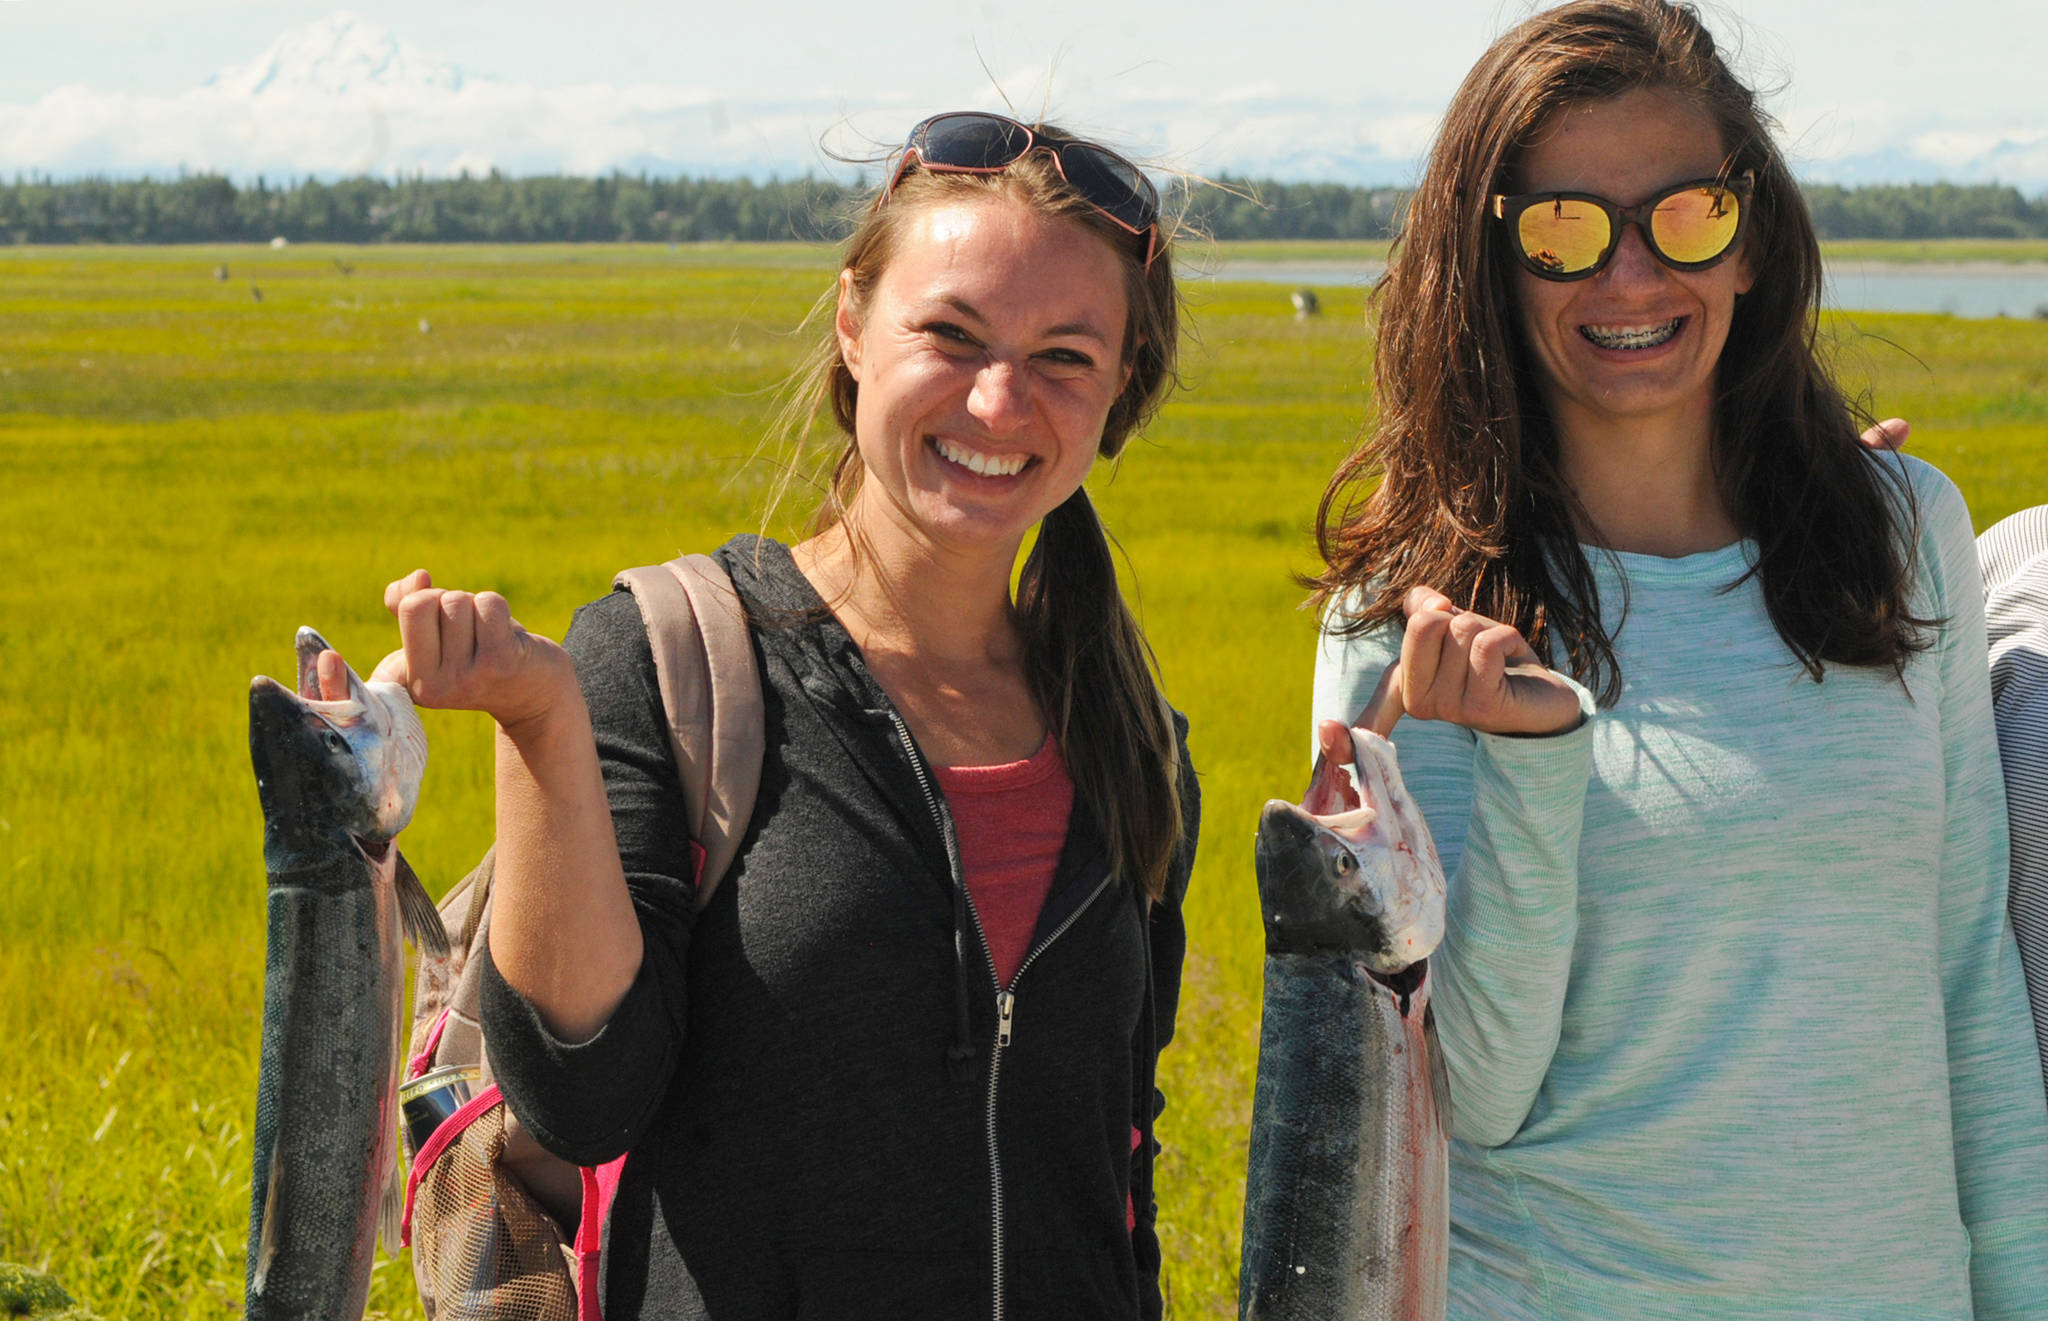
[(902, 1063)]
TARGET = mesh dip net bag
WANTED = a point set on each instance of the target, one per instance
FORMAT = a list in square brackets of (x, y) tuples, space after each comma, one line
[(483, 1248)]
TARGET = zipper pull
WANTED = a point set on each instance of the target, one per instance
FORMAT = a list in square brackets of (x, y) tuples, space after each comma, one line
[(1006, 1004)]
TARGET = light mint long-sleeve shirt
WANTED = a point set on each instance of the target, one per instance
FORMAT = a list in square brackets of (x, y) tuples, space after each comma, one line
[(1731, 1010)]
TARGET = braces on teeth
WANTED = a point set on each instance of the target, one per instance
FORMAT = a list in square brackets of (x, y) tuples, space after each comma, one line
[(1632, 339)]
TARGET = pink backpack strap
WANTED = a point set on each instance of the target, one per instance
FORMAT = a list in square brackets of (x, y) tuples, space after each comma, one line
[(449, 1130), (600, 1185), (420, 1063), (711, 691)]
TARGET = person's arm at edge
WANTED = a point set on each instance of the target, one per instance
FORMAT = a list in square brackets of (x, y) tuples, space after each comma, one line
[(2014, 556), (2000, 1121)]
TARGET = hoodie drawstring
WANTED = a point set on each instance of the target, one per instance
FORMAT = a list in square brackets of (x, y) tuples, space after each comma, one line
[(959, 1055)]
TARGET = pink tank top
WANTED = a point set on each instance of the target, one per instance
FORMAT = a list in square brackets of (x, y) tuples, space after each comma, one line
[(1011, 820)]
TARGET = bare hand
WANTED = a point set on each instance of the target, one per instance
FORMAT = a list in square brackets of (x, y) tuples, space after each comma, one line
[(1889, 434), (1469, 670), (464, 651)]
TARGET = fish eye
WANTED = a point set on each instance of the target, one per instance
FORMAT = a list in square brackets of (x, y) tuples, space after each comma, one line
[(335, 743), (1345, 862)]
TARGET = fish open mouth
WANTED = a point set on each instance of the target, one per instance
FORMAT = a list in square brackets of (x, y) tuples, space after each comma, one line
[(1333, 790)]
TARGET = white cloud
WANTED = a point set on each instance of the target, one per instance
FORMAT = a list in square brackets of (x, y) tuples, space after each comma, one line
[(341, 96), (1962, 149)]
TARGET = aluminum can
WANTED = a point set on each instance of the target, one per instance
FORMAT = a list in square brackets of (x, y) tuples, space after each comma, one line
[(427, 1101)]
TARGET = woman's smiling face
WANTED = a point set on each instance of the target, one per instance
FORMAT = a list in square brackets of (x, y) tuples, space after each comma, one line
[(988, 355), (1638, 341)]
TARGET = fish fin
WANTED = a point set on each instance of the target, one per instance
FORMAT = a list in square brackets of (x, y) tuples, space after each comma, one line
[(423, 925), (391, 1208), (266, 1243), (1439, 1074)]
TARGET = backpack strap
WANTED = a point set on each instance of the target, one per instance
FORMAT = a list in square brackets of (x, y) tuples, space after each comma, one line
[(711, 693)]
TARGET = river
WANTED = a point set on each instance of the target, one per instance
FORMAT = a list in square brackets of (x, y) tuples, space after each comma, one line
[(1965, 289)]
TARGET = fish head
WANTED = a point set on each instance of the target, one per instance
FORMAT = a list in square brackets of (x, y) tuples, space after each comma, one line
[(1352, 867), (350, 765)]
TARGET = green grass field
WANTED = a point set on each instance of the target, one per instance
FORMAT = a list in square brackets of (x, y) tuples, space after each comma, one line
[(188, 473)]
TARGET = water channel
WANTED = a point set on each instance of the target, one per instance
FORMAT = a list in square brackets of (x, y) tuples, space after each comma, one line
[(1965, 289)]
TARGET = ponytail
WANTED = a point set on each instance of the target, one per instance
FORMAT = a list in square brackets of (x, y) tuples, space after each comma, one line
[(1093, 675)]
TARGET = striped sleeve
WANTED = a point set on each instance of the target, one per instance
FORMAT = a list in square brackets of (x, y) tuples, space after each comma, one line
[(2000, 1128), (2014, 554)]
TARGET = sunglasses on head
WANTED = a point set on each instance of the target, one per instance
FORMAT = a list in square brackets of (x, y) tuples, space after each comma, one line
[(1571, 236), (973, 142)]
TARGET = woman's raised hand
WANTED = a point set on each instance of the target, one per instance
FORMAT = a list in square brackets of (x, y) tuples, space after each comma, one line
[(1889, 434), (464, 651), (1469, 670)]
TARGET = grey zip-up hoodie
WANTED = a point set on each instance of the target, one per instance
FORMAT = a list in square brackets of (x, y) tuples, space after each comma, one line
[(824, 1116)]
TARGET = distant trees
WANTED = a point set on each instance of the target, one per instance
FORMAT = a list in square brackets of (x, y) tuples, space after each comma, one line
[(618, 207), (1255, 209), (1926, 211), (491, 209)]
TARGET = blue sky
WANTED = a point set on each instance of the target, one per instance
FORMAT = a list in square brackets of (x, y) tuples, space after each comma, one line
[(1308, 90)]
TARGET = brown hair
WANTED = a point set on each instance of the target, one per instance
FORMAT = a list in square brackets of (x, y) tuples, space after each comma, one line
[(1087, 661), (1471, 499)]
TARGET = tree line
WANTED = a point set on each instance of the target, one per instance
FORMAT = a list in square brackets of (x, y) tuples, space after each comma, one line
[(493, 208)]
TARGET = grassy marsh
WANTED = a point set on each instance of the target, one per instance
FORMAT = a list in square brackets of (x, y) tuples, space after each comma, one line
[(188, 472)]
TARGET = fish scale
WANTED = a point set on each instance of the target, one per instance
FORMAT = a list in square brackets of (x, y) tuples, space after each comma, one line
[(333, 980), (1347, 1171)]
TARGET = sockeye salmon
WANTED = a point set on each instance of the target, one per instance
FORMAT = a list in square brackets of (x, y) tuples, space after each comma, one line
[(338, 780), (1347, 1200)]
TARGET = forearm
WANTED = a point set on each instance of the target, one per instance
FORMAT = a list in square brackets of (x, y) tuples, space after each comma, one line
[(563, 931), (2016, 617), (2022, 718), (1508, 938)]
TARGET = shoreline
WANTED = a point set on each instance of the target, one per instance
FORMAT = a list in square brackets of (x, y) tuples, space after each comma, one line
[(1342, 270)]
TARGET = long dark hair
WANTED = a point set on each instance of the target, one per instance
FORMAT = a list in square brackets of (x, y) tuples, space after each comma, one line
[(1089, 666), (1471, 499)]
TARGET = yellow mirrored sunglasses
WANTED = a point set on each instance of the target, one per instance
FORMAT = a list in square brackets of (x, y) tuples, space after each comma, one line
[(1571, 236)]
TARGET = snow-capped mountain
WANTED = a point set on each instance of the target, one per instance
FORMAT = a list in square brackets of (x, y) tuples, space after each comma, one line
[(342, 55), (343, 96)]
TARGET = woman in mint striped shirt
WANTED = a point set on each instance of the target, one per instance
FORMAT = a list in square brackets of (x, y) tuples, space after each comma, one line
[(1732, 1015)]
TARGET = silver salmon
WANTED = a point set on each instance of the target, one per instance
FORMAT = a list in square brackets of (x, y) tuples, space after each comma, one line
[(1347, 1200), (338, 780)]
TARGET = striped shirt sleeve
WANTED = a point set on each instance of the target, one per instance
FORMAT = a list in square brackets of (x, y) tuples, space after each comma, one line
[(2014, 555)]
